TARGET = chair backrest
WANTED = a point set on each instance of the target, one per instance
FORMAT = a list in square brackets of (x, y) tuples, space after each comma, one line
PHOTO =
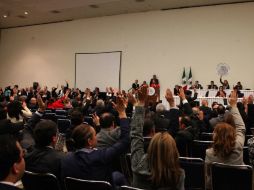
[(252, 130), (198, 148), (246, 158), (61, 117), (129, 188), (128, 161), (81, 184), (231, 177), (63, 125), (126, 167), (61, 112), (50, 116), (48, 111), (206, 136), (194, 173), (89, 120), (39, 181)]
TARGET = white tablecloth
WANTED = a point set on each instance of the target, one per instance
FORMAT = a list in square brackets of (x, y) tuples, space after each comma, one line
[(212, 93)]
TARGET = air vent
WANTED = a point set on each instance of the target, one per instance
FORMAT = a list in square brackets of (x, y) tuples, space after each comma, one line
[(55, 11), (94, 6), (21, 16)]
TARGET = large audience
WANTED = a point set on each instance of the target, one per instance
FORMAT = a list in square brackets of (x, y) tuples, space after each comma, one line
[(105, 126)]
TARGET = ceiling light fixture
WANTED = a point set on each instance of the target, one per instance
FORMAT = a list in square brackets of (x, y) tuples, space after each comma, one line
[(5, 16), (26, 13)]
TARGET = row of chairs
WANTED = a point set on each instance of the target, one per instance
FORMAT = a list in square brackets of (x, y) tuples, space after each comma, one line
[(209, 137), (54, 117), (63, 121), (197, 149), (42, 181), (195, 173), (56, 111), (226, 177)]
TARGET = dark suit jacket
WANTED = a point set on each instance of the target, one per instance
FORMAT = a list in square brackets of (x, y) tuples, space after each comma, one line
[(44, 160), (176, 92), (8, 187), (250, 118), (135, 86), (156, 81), (28, 141), (95, 164), (212, 87), (11, 128), (167, 121)]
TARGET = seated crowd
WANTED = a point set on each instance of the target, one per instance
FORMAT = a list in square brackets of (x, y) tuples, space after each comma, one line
[(106, 126)]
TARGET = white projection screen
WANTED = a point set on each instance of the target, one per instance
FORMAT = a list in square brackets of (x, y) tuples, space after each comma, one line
[(98, 70)]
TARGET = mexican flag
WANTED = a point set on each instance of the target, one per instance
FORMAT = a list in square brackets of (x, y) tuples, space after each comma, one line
[(183, 77), (190, 76)]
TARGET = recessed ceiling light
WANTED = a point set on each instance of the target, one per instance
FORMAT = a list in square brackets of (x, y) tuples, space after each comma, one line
[(26, 13), (5, 16), (94, 6)]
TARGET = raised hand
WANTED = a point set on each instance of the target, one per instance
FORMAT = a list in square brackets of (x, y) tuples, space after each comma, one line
[(96, 119), (244, 101), (250, 99), (142, 95), (182, 94), (67, 93), (41, 104), (169, 97), (120, 106), (233, 98)]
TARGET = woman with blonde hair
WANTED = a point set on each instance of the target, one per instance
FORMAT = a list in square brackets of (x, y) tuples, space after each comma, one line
[(228, 140), (163, 161), (158, 168)]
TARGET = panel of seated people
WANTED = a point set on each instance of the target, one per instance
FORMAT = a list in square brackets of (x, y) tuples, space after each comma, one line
[(210, 100), (213, 92)]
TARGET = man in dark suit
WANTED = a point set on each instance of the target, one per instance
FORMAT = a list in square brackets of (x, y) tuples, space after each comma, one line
[(44, 158), (212, 85), (197, 85), (155, 79), (12, 164), (135, 85)]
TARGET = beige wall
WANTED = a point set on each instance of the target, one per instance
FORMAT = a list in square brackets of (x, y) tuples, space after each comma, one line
[(159, 42)]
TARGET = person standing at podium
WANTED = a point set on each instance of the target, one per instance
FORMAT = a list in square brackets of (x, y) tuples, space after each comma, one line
[(155, 79), (156, 87)]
